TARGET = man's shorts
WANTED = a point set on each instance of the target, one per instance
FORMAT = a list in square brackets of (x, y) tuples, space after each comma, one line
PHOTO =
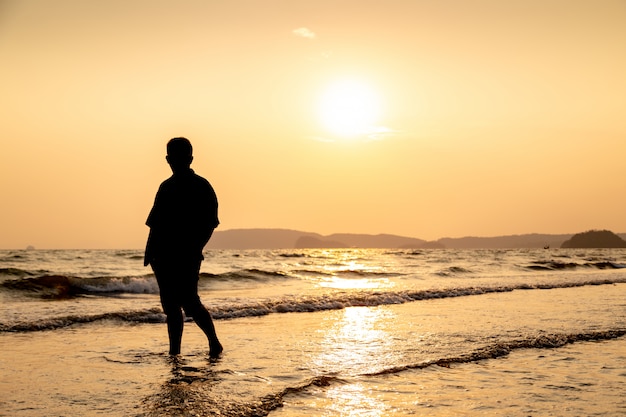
[(178, 284)]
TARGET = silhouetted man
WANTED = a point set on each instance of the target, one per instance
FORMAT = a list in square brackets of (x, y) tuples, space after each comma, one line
[(181, 223)]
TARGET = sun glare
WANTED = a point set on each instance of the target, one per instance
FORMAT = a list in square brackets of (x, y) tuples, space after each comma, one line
[(350, 108)]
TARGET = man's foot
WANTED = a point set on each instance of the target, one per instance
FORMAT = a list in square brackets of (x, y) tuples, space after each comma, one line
[(215, 350)]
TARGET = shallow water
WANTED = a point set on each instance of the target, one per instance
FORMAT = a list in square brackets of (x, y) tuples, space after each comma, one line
[(420, 333), (359, 360), (582, 379)]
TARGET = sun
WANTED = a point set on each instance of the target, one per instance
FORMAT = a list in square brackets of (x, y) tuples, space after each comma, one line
[(349, 108)]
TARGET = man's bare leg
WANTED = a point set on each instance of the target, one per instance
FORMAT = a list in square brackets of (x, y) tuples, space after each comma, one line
[(203, 319), (175, 323)]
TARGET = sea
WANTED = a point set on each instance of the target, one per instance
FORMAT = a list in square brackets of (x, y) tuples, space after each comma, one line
[(319, 332)]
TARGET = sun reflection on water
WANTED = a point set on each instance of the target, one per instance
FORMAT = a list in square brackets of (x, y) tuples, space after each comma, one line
[(346, 272), (354, 284), (354, 400), (357, 341)]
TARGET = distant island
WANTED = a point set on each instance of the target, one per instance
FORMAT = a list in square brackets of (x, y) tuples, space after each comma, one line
[(595, 239), (294, 239)]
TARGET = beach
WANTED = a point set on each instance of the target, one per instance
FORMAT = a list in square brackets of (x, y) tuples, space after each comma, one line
[(402, 207), (335, 333)]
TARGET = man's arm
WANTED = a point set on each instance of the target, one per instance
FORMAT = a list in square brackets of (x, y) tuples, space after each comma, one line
[(209, 214), (151, 222), (148, 254)]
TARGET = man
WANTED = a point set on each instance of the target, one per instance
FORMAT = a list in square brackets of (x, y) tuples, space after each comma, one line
[(181, 223)]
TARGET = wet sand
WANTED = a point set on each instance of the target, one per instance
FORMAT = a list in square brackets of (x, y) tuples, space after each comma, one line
[(581, 379)]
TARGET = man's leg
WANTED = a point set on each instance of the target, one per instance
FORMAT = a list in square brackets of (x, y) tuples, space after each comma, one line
[(175, 323), (202, 318), (193, 307), (171, 305)]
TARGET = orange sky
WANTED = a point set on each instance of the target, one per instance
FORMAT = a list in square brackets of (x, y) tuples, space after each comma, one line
[(497, 117)]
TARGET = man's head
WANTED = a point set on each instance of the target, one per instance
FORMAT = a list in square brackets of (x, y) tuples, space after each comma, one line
[(179, 154)]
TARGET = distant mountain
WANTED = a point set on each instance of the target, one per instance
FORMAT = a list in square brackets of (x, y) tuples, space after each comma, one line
[(595, 239), (256, 239), (295, 239), (528, 241), (310, 242), (347, 240)]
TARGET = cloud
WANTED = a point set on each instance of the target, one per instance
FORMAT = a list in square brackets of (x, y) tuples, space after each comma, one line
[(371, 134), (304, 33), (381, 132)]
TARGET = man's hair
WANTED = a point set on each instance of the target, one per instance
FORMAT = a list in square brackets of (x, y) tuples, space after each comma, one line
[(179, 147)]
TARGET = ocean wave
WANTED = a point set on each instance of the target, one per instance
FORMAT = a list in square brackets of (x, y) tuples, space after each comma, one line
[(364, 273), (61, 286), (293, 255), (503, 348), (64, 286), (44, 284), (129, 254), (337, 301), (453, 270), (251, 274), (556, 265), (16, 272), (307, 304), (154, 315), (11, 257), (408, 254)]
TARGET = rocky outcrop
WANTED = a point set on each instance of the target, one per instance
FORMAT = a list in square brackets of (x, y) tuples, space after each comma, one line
[(595, 239)]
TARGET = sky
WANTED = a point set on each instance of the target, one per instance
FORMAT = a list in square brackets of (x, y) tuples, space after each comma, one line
[(426, 119)]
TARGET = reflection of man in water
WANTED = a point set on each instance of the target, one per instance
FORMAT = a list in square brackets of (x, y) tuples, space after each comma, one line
[(181, 223)]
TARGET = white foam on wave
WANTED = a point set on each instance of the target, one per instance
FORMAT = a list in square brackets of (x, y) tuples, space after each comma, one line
[(138, 285)]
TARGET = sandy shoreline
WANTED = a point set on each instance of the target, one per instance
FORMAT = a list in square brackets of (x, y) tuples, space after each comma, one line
[(111, 368)]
